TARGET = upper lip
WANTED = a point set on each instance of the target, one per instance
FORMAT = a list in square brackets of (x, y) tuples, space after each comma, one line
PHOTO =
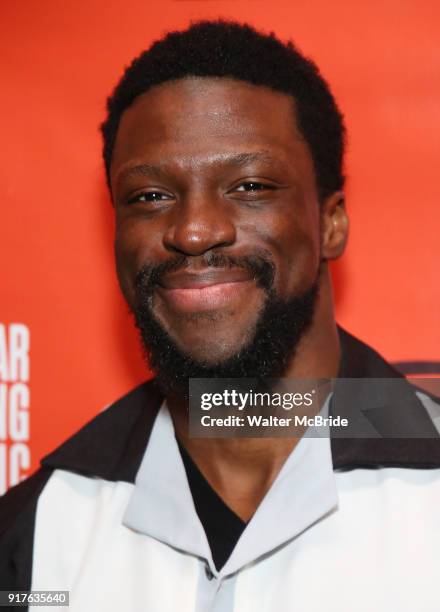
[(187, 279)]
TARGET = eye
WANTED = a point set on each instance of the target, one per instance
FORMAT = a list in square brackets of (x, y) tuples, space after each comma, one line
[(253, 186), (149, 196)]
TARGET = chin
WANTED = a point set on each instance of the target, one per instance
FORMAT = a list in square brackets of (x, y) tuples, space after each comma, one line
[(212, 353)]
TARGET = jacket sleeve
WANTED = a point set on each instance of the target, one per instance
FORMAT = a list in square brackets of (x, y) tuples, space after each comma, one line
[(17, 522)]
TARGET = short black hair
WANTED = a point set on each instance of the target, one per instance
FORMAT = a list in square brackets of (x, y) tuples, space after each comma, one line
[(229, 49)]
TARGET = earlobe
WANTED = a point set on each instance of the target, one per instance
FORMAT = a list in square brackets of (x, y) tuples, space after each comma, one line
[(335, 226)]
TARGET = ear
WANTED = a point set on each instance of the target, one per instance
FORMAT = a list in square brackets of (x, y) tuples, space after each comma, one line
[(334, 226)]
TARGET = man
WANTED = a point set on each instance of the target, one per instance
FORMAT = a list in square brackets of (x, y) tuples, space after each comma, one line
[(223, 149)]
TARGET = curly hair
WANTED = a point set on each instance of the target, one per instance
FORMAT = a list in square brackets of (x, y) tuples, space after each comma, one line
[(229, 49)]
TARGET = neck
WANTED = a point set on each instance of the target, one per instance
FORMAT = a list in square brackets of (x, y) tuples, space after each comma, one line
[(241, 470)]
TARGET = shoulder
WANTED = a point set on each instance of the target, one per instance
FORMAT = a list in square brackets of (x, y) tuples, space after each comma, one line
[(112, 444), (394, 424), (109, 447)]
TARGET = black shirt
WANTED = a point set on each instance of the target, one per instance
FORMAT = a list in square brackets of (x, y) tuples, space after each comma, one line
[(222, 526)]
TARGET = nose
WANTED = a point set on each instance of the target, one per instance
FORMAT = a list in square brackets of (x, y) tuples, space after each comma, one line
[(199, 224)]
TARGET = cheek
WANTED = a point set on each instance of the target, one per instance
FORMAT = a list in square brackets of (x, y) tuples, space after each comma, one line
[(134, 247), (302, 263), (295, 242)]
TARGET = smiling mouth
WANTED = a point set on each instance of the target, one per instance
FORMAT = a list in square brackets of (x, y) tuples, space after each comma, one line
[(193, 291)]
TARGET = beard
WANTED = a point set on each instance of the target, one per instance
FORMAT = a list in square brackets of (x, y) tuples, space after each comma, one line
[(267, 354)]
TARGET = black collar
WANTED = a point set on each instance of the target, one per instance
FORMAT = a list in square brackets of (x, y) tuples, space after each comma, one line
[(389, 426), (111, 446)]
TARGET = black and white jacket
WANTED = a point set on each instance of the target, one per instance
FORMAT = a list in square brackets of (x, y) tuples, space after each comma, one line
[(372, 544)]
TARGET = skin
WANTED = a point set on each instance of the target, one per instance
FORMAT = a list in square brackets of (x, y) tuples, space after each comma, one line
[(222, 168)]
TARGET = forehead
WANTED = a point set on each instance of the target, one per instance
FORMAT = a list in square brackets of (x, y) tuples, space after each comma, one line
[(198, 119)]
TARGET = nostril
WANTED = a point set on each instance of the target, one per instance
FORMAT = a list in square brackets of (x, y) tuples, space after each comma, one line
[(196, 238)]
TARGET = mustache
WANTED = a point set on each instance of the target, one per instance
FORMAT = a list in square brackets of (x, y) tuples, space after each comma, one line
[(259, 265)]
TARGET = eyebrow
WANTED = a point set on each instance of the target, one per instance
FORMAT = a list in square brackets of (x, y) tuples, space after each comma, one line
[(235, 160)]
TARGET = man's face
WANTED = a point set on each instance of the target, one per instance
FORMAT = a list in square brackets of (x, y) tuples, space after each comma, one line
[(216, 209)]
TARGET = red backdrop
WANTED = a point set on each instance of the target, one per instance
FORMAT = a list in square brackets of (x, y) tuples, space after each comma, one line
[(61, 60)]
